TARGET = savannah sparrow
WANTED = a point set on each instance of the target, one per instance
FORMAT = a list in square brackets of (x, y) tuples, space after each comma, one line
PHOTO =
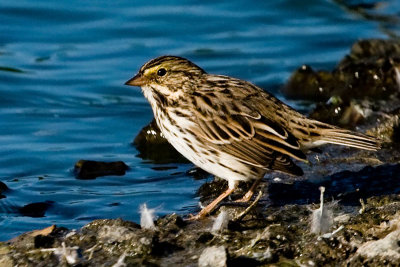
[(230, 127)]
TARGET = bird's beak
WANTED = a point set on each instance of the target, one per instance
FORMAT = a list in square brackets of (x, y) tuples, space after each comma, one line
[(138, 80)]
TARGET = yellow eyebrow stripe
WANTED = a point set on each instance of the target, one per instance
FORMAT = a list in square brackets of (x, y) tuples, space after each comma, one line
[(151, 70)]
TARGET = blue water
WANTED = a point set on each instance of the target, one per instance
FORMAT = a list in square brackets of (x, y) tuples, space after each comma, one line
[(62, 69)]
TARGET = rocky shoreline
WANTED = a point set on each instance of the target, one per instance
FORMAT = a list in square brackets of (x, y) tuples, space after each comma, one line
[(358, 224)]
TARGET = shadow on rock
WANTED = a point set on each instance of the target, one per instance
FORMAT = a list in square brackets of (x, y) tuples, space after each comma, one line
[(348, 187)]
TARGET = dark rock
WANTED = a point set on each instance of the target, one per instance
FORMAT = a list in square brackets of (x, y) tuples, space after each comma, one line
[(88, 169), (205, 237), (163, 248), (44, 238), (36, 210), (171, 223), (211, 190), (197, 173), (347, 186), (350, 93), (42, 241), (243, 261), (370, 71), (388, 129), (342, 113), (307, 84), (152, 145), (96, 225), (3, 187), (366, 78), (285, 240), (372, 50)]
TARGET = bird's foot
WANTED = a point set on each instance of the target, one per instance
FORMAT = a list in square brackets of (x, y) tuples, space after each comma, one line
[(192, 217), (252, 205), (199, 216), (210, 207), (245, 198)]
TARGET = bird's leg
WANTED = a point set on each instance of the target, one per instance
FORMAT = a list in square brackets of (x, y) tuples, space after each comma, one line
[(210, 207), (249, 193)]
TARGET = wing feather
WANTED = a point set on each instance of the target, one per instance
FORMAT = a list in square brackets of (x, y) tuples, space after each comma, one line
[(243, 131)]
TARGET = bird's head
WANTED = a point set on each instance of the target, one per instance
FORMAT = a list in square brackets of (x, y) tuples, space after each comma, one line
[(167, 77)]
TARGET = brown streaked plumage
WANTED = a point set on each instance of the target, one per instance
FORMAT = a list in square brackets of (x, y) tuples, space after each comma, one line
[(230, 127)]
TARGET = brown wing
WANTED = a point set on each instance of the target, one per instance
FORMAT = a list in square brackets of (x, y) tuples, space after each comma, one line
[(228, 119)]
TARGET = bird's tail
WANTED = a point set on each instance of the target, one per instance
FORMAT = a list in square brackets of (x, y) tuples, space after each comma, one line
[(321, 133), (350, 138)]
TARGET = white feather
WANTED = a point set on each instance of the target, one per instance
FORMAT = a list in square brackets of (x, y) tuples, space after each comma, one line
[(221, 222), (147, 217), (322, 218)]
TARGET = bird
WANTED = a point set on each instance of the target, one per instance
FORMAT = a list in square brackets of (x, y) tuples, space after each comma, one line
[(232, 128)]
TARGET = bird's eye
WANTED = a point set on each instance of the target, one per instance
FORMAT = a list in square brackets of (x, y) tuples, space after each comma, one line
[(161, 72)]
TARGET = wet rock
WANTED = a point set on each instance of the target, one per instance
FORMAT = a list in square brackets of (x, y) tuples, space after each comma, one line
[(243, 261), (110, 231), (342, 113), (347, 186), (163, 248), (284, 239), (104, 241), (205, 238), (349, 94), (305, 83), (35, 210), (388, 129), (5, 258), (371, 70), (373, 78), (385, 248), (44, 238), (368, 80), (146, 245), (3, 187), (152, 145), (211, 190), (89, 169), (372, 50), (198, 173), (213, 257), (171, 223), (42, 241)]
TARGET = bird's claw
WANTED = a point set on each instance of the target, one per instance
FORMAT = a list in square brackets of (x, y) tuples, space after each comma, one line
[(199, 216), (242, 200)]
